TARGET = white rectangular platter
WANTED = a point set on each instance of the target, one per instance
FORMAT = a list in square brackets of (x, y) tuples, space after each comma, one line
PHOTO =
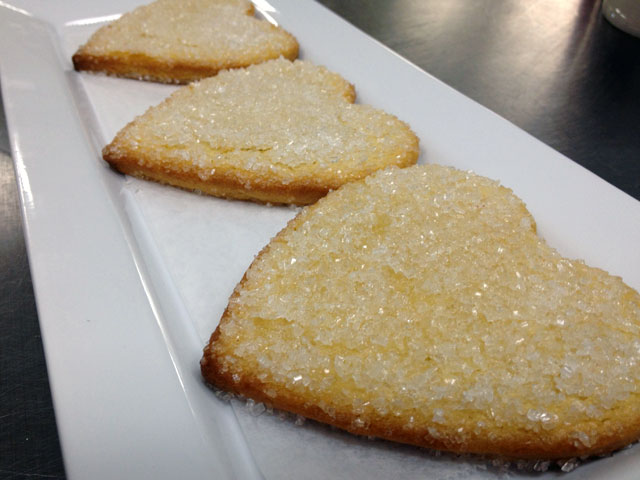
[(131, 277)]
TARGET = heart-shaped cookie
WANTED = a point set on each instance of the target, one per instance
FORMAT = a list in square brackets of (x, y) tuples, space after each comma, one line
[(279, 132), (178, 41), (419, 305)]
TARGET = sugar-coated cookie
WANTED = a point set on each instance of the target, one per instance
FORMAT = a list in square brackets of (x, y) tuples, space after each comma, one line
[(179, 41), (419, 305), (278, 132)]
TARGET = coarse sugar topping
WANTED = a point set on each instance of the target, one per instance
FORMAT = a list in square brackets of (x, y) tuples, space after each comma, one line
[(278, 121), (425, 295), (192, 30)]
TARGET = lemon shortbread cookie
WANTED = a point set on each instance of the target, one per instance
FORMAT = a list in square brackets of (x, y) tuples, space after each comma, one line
[(279, 132), (420, 306), (178, 41)]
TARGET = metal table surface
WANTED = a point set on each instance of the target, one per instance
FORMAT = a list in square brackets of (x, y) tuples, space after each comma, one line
[(558, 70)]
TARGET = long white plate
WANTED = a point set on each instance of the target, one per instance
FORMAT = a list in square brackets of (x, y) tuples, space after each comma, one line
[(132, 277)]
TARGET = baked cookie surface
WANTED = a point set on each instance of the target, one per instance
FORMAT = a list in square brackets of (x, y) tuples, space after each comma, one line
[(176, 41), (279, 132), (419, 305)]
